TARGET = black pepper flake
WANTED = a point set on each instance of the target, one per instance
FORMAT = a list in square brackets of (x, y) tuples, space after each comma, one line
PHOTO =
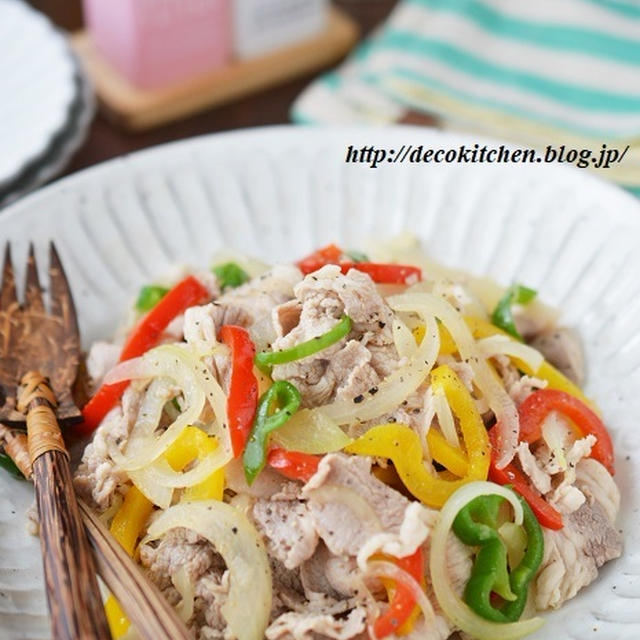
[(381, 324), (358, 399), (234, 530), (373, 391)]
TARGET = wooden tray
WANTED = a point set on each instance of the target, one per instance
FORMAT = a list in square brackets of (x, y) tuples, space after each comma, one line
[(137, 109)]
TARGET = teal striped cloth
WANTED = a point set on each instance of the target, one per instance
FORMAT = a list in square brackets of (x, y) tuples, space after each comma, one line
[(533, 71)]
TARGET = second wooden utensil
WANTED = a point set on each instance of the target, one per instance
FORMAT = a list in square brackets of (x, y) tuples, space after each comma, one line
[(32, 339)]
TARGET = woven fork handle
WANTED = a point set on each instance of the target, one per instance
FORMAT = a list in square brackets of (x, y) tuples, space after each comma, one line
[(74, 599)]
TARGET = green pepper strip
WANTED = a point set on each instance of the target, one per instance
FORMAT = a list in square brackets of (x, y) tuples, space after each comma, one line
[(255, 452), (502, 315), (9, 465), (230, 274), (476, 525), (266, 359), (149, 297)]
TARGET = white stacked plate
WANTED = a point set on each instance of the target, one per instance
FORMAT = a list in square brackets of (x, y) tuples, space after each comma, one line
[(277, 193), (46, 103)]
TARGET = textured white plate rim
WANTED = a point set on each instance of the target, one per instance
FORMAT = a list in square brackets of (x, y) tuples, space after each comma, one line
[(64, 144), (361, 134), (619, 621), (61, 56)]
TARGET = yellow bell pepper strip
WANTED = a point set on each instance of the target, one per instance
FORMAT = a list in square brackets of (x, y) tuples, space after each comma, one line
[(482, 329), (402, 445), (448, 456), (126, 528), (194, 443), (130, 519)]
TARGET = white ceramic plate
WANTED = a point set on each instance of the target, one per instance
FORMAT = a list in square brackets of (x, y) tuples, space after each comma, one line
[(62, 145), (37, 86), (277, 193)]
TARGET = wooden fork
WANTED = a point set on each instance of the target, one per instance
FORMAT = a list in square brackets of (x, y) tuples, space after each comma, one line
[(56, 351), (39, 354)]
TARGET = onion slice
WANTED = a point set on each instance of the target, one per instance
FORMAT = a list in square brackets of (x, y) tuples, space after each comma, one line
[(383, 569), (310, 432), (456, 610), (246, 609), (445, 418), (503, 345), (185, 587), (191, 375), (484, 377)]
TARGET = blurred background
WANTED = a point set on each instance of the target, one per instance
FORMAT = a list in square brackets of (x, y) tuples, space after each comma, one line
[(82, 81)]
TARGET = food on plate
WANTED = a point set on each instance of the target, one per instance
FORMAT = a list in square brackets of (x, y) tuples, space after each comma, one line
[(349, 447)]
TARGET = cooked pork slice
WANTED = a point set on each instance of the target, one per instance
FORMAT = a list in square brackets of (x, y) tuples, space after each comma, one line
[(210, 594), (349, 505), (179, 548), (522, 388), (103, 356), (562, 348), (286, 316), (336, 576), (529, 463), (288, 528), (356, 363), (96, 478), (573, 554), (437, 629), (202, 323), (312, 626), (259, 296), (598, 486)]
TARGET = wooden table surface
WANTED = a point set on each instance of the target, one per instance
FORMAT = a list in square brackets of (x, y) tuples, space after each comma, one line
[(265, 108)]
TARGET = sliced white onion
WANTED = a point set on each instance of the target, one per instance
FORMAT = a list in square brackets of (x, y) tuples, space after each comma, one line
[(149, 413), (311, 432), (445, 418), (555, 433), (157, 480), (403, 339), (198, 385), (396, 387), (238, 542), (503, 345), (497, 397), (185, 587), (382, 569), (134, 369), (455, 609)]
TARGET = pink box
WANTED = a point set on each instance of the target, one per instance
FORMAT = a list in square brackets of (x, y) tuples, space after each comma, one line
[(156, 43)]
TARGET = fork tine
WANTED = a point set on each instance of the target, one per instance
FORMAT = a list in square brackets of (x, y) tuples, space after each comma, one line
[(33, 293), (62, 305), (8, 295)]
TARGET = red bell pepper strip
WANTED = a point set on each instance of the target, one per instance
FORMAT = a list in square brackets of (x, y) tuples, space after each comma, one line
[(294, 465), (537, 407), (379, 272), (330, 254), (547, 516), (403, 601), (144, 336), (385, 273), (243, 386)]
